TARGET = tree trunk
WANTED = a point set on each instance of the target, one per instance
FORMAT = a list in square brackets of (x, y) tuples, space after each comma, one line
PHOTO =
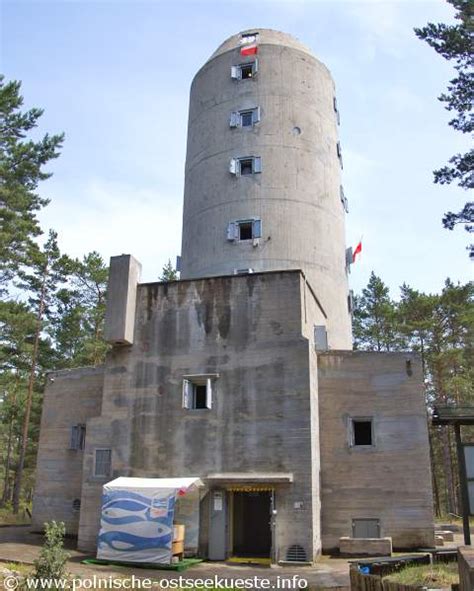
[(450, 508), (29, 399), (6, 484), (433, 474)]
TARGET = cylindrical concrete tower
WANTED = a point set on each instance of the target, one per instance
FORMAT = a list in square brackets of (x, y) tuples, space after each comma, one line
[(263, 170)]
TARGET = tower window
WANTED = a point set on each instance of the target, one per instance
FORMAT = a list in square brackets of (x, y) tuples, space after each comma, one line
[(197, 392), (245, 166), (344, 201), (339, 153), (244, 71), (362, 432), (244, 230), (245, 118)]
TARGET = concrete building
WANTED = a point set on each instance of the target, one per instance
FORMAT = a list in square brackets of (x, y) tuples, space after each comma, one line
[(242, 372)]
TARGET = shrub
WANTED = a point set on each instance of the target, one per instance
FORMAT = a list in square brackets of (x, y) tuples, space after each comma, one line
[(51, 564)]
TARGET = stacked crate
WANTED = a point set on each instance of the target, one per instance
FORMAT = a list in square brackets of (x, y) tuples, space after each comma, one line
[(178, 541)]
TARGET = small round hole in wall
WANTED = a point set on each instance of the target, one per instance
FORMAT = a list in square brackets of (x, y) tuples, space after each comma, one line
[(296, 130)]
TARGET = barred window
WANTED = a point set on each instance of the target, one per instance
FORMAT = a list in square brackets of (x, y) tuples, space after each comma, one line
[(102, 462)]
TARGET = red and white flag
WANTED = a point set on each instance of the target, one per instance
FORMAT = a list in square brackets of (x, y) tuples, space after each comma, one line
[(357, 251), (249, 49)]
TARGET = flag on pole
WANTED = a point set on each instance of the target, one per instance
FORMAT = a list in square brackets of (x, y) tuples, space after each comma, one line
[(249, 49), (357, 250)]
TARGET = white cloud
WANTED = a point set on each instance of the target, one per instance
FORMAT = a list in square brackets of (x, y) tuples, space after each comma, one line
[(115, 219)]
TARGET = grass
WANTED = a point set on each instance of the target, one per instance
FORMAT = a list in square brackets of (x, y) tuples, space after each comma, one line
[(23, 569), (441, 575), (9, 518)]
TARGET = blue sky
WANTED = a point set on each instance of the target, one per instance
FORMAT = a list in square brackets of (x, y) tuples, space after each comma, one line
[(115, 77)]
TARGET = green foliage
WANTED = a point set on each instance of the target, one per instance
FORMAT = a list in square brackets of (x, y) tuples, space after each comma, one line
[(169, 273), (456, 43), (78, 325), (440, 328), (52, 307), (437, 575), (374, 318), (22, 163), (51, 563)]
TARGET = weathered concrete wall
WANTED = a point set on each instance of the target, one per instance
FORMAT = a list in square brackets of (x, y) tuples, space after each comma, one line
[(466, 568), (391, 480), (71, 397), (297, 194), (124, 275), (365, 546), (247, 329)]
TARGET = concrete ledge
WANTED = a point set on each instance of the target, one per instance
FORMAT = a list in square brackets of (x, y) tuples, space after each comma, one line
[(365, 546)]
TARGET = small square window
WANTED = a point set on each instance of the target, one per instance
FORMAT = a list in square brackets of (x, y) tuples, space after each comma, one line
[(245, 231), (246, 166), (246, 118), (246, 71), (362, 432), (197, 393)]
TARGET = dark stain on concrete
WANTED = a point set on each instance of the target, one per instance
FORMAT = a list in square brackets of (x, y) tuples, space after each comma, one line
[(152, 298), (204, 314), (276, 327), (143, 374), (117, 370)]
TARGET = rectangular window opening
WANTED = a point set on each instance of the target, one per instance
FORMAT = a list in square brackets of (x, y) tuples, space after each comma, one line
[(246, 166), (103, 463), (362, 432), (245, 231), (246, 71), (197, 392), (78, 437), (246, 118), (200, 396), (249, 229)]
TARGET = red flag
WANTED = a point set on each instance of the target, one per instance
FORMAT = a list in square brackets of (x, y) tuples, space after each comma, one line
[(358, 250), (249, 49)]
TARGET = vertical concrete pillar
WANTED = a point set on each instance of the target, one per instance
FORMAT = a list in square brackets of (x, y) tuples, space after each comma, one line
[(124, 276)]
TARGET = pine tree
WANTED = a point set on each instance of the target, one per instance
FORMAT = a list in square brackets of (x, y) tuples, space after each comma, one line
[(456, 43), (22, 163), (169, 273), (42, 280), (78, 326), (374, 320), (17, 324)]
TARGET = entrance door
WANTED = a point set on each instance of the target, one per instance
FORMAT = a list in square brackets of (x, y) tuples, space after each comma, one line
[(251, 524), (217, 525)]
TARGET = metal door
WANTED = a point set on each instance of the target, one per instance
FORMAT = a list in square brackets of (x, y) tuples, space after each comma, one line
[(218, 525)]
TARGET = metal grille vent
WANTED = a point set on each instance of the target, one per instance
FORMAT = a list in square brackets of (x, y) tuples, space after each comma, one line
[(296, 553)]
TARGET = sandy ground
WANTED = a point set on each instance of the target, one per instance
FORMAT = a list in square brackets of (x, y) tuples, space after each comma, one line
[(18, 543)]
